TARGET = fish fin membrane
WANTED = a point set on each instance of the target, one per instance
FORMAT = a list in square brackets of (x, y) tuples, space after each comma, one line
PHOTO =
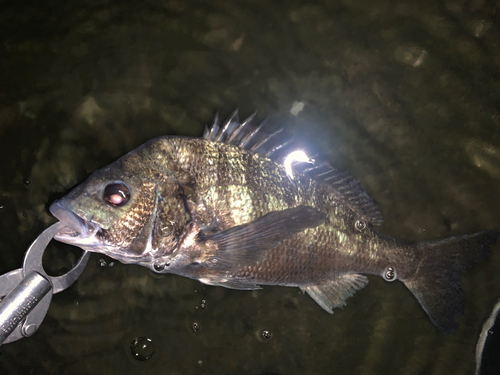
[(436, 283), (336, 291), (247, 244), (347, 190), (276, 145)]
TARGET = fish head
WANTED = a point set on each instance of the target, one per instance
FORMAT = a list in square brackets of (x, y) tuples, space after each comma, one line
[(128, 210)]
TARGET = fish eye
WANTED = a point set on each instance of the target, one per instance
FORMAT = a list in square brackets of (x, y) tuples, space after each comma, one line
[(116, 194)]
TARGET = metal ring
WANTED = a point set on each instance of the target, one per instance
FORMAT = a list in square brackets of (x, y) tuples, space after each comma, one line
[(33, 260)]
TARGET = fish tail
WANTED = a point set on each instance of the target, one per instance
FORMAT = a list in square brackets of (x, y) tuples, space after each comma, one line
[(436, 282)]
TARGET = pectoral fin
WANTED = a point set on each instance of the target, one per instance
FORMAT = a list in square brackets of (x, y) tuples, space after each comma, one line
[(334, 293), (247, 244)]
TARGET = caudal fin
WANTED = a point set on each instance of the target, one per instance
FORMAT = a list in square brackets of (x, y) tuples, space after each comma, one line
[(436, 281)]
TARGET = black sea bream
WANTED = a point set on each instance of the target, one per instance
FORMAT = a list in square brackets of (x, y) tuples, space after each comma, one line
[(238, 209)]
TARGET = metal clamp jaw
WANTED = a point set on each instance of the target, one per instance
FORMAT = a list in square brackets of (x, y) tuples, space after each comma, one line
[(26, 293)]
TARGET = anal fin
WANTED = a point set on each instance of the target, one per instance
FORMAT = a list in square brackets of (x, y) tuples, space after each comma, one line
[(334, 293)]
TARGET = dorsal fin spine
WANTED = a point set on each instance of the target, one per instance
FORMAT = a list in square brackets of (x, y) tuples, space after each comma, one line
[(232, 120), (245, 141), (233, 137), (265, 140), (215, 127)]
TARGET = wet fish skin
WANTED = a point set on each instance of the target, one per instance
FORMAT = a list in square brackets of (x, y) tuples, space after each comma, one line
[(217, 211)]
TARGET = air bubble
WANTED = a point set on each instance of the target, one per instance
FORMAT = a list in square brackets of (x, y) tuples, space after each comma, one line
[(159, 266), (203, 303), (27, 183), (360, 225), (142, 348), (196, 327), (111, 264), (101, 262), (263, 334), (390, 274)]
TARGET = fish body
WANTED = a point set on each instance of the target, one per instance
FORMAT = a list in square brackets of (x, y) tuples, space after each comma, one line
[(232, 210)]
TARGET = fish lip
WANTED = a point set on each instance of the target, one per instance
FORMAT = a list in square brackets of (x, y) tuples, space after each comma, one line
[(76, 228)]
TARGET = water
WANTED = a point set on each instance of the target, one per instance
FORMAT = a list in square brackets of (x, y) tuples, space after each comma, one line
[(404, 96)]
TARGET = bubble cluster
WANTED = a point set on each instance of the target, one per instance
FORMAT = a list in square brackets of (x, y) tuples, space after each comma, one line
[(102, 263)]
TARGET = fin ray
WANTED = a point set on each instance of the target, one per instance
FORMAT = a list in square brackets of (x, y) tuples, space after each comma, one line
[(238, 132), (336, 291), (228, 127), (232, 284), (214, 129), (436, 280)]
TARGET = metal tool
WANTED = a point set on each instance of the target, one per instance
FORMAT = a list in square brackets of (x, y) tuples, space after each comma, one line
[(25, 293)]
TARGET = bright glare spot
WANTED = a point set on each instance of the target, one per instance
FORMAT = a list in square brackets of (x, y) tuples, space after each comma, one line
[(296, 108), (236, 46), (420, 58), (295, 156)]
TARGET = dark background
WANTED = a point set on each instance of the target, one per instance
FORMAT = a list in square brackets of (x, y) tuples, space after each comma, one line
[(404, 95)]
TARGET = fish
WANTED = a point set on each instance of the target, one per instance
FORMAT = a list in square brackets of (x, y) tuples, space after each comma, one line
[(241, 208)]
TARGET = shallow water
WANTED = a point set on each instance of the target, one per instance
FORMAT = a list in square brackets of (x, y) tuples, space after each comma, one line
[(404, 96)]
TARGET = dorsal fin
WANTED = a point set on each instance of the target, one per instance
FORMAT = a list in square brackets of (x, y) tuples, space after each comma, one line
[(348, 190), (251, 136)]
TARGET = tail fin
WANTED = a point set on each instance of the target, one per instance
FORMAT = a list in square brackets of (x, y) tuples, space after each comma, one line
[(436, 281)]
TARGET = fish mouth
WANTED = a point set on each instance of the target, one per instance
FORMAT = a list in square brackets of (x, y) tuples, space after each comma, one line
[(77, 230)]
